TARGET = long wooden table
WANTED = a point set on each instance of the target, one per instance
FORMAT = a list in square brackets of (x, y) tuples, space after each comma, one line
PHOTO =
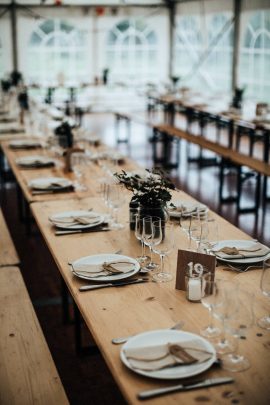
[(133, 309), (23, 176), (8, 254)]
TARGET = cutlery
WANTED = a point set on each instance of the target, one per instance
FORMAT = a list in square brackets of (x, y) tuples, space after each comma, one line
[(241, 269), (106, 285), (123, 339), (185, 387), (87, 230)]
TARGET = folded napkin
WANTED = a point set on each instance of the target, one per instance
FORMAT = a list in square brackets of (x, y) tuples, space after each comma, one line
[(52, 185), (153, 358), (76, 220), (104, 269), (36, 163), (185, 208), (232, 252), (11, 131)]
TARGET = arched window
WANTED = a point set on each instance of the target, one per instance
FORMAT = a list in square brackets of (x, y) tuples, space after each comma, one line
[(56, 51), (131, 51), (195, 36), (255, 57)]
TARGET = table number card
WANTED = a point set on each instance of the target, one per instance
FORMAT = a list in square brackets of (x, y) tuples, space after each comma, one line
[(184, 258)]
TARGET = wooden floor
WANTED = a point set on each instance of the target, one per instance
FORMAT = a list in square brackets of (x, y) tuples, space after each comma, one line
[(87, 379)]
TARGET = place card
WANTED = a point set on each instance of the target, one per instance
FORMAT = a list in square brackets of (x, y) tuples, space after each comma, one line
[(185, 257)]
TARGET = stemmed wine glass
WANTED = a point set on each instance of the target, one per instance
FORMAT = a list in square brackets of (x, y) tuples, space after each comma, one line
[(237, 325), (211, 298), (224, 312), (264, 322), (139, 236), (185, 225), (116, 199), (164, 244), (198, 229), (149, 240)]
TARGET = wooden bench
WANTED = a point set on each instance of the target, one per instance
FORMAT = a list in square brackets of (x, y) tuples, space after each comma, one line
[(27, 371), (8, 254), (228, 155)]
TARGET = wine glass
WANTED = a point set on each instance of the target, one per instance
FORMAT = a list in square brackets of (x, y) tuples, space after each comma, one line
[(211, 298), (149, 240), (198, 229), (237, 325), (78, 162), (116, 199), (185, 225), (264, 322), (163, 246), (224, 312), (139, 236)]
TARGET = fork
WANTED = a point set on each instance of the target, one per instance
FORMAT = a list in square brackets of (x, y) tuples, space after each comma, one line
[(241, 269), (124, 339)]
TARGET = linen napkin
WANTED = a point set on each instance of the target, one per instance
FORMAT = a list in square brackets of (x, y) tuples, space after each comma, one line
[(103, 269), (153, 358), (50, 185), (185, 208), (76, 220), (232, 252)]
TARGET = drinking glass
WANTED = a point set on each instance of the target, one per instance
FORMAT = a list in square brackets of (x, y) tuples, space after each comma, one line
[(185, 225), (211, 298), (224, 312), (198, 229), (139, 236), (78, 163), (163, 246), (116, 198), (149, 240), (237, 325), (264, 322)]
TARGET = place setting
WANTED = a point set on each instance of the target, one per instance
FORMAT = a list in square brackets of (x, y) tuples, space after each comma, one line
[(178, 208), (35, 162), (24, 144), (78, 221), (50, 185), (108, 270), (240, 255)]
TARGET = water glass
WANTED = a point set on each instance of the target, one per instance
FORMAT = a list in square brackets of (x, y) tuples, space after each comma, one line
[(264, 322)]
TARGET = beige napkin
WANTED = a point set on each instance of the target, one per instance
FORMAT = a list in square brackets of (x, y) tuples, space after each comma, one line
[(51, 185), (103, 269), (153, 358), (231, 252), (76, 220)]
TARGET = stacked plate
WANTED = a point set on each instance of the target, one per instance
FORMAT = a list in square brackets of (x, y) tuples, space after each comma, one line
[(240, 252), (52, 184), (24, 144), (75, 220), (95, 268), (178, 208), (35, 161), (146, 346)]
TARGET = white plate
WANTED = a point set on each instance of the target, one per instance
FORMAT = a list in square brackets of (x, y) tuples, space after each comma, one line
[(239, 244), (66, 214), (43, 183), (99, 259), (24, 144), (189, 208), (158, 337), (32, 160)]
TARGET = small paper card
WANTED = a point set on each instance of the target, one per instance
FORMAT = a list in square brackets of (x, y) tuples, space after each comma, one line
[(184, 258)]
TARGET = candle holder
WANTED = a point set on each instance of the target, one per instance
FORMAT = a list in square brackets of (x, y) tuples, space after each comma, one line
[(193, 281)]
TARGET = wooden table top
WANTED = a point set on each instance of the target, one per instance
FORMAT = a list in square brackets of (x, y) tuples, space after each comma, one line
[(23, 176), (216, 106), (133, 309)]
